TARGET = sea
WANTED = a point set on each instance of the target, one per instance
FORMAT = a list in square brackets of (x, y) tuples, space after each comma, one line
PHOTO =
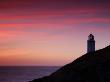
[(25, 73)]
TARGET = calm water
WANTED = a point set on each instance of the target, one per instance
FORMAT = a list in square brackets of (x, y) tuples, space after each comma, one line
[(24, 74)]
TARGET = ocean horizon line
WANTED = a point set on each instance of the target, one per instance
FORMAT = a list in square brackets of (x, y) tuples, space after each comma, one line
[(30, 66)]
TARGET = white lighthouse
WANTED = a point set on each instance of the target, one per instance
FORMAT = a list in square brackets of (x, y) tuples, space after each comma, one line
[(90, 44)]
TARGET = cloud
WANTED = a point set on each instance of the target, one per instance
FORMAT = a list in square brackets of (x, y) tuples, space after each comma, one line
[(33, 29)]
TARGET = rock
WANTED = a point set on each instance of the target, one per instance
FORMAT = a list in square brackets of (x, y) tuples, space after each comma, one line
[(91, 67)]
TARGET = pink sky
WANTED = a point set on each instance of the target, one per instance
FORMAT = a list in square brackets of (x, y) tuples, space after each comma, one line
[(45, 32)]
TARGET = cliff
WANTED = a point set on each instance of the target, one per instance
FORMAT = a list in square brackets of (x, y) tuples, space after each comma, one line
[(91, 67)]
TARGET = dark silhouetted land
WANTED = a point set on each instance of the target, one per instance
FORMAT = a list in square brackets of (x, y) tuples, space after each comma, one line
[(91, 67)]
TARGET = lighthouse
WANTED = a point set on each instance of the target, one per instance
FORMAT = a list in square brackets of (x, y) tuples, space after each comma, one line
[(90, 43)]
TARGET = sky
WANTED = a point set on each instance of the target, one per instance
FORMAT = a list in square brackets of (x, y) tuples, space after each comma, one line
[(50, 32)]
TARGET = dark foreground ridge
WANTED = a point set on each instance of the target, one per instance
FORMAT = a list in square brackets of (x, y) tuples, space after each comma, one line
[(91, 67)]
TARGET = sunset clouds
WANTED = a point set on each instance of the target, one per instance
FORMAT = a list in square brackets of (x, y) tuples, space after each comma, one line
[(47, 32)]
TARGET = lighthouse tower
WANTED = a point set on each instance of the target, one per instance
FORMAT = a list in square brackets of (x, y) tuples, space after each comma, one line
[(90, 44)]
